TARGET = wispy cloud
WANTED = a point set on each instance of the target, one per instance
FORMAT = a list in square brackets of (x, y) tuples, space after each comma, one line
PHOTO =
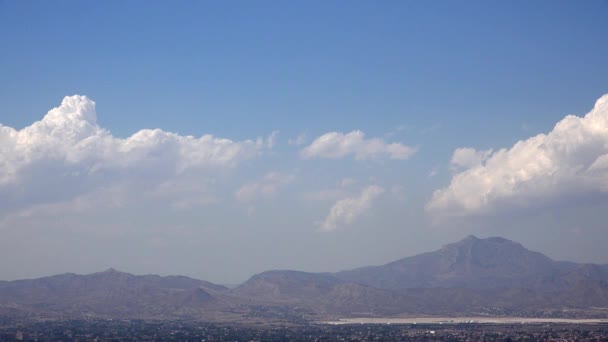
[(267, 187), (336, 145), (466, 157), (301, 139), (346, 182), (345, 211)]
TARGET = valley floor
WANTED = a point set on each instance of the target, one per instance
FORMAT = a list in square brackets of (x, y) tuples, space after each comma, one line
[(136, 330), (464, 320)]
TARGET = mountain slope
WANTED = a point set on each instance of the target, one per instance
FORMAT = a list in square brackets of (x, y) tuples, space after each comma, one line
[(321, 293), (470, 263)]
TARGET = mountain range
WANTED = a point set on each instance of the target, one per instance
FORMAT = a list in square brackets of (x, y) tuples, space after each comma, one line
[(492, 276)]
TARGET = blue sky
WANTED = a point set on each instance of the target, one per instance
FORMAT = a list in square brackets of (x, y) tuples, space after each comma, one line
[(433, 76)]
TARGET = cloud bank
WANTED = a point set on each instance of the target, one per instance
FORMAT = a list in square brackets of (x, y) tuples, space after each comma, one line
[(569, 162), (67, 153), (347, 210), (336, 145)]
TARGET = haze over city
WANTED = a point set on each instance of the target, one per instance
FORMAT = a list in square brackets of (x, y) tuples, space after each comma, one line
[(220, 140)]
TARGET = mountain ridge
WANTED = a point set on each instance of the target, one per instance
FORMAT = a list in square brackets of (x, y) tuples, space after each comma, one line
[(492, 275)]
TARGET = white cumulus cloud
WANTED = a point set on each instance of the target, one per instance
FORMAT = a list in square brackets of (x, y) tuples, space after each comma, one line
[(569, 162), (347, 210), (67, 153), (335, 145)]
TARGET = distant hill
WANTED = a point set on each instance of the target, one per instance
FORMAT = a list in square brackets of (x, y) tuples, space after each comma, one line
[(287, 286), (489, 276), (318, 292), (109, 294)]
